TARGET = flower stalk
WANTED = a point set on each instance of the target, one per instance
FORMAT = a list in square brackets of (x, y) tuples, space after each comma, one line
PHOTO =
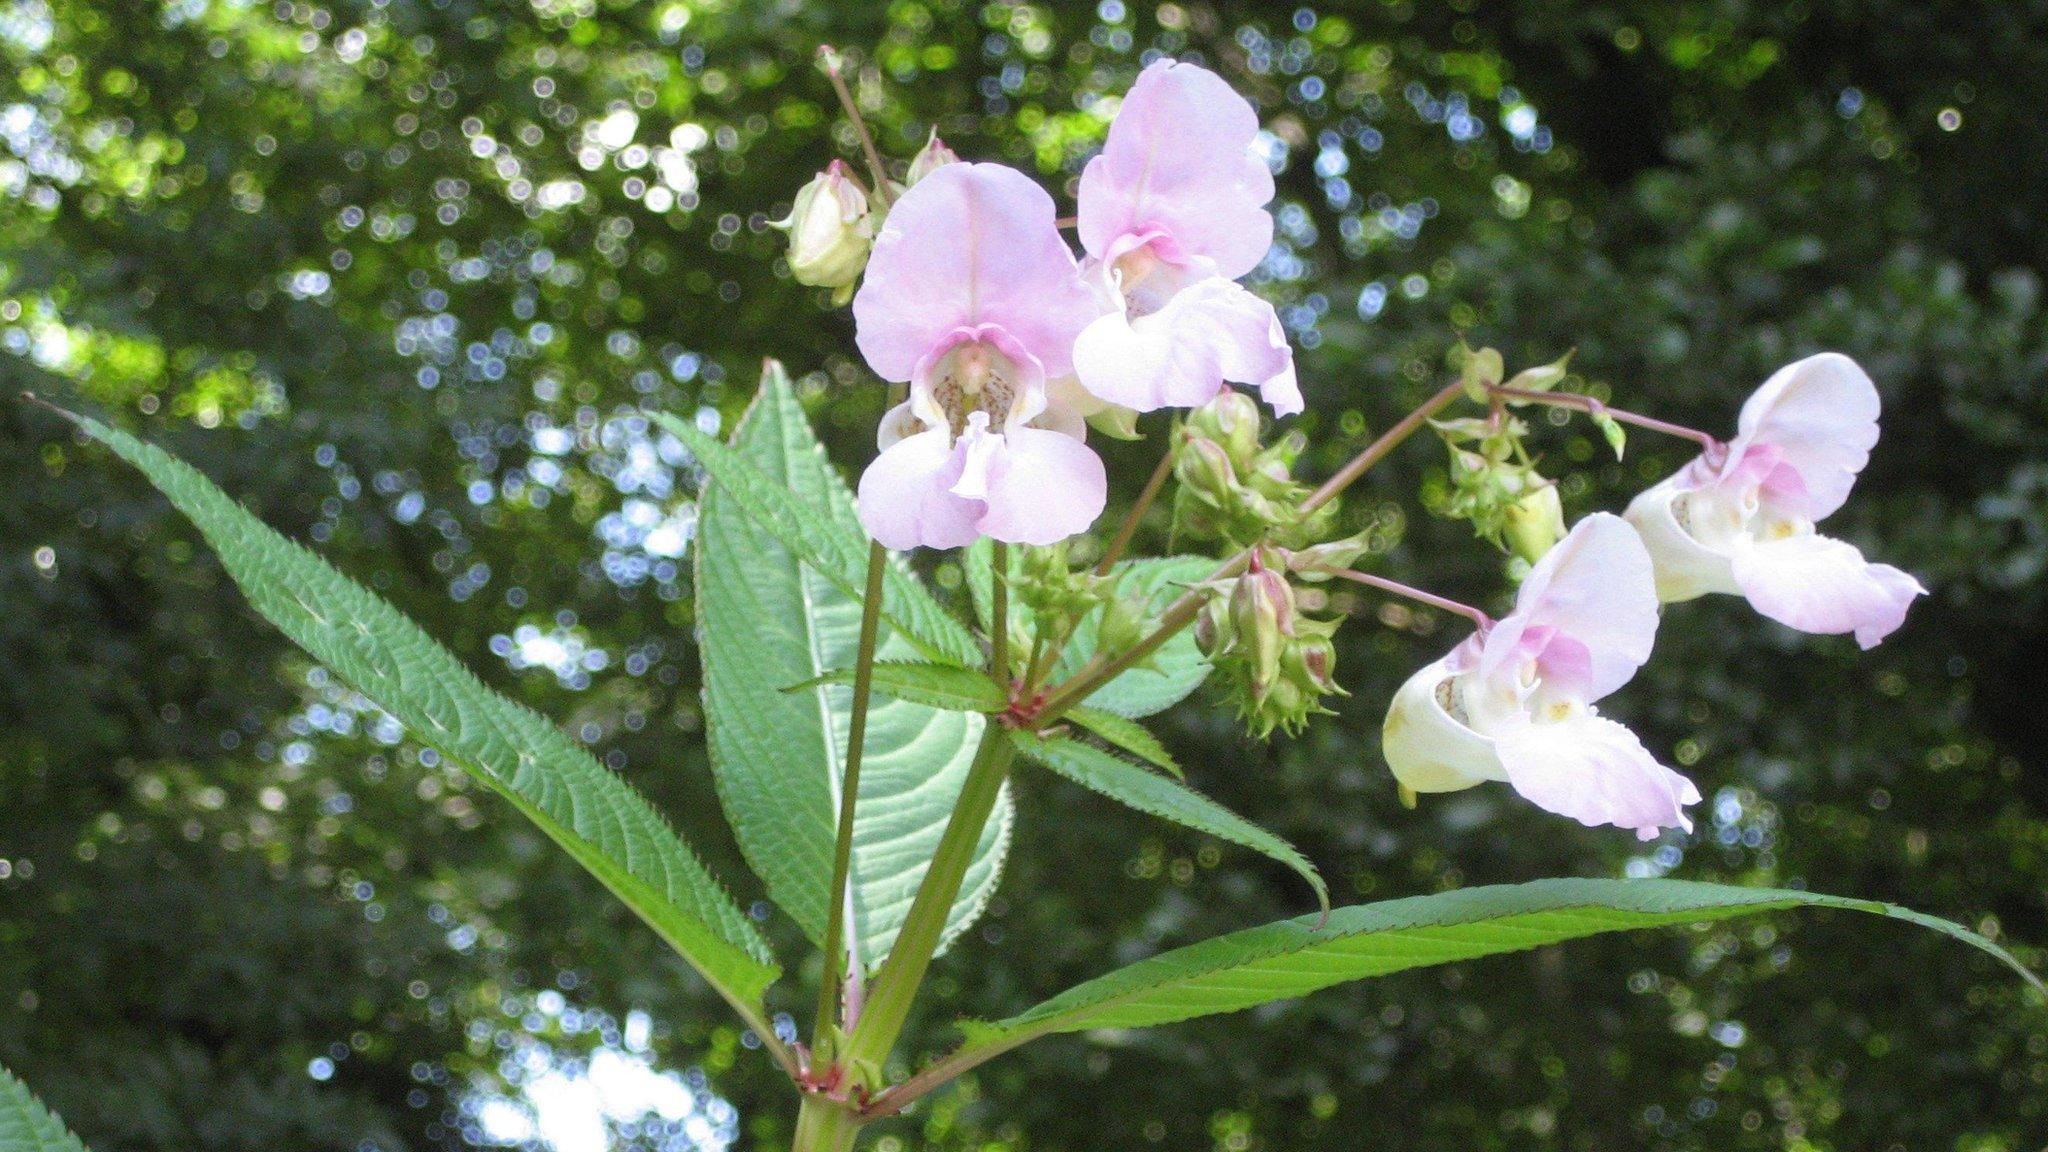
[(1593, 406), (1416, 594), (842, 955)]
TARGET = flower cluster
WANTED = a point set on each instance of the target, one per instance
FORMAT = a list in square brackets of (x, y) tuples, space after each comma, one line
[(1009, 343), (1514, 702), (1012, 345)]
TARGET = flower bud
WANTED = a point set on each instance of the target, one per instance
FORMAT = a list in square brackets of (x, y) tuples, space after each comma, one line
[(830, 230), (1203, 467), (1534, 522), (1232, 421), (1262, 615), (1321, 561), (1115, 421), (1123, 624), (1311, 661), (1543, 377), (929, 159)]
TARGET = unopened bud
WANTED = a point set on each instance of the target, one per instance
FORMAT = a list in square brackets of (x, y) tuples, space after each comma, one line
[(830, 230), (1478, 370), (1311, 661), (929, 159), (1232, 421), (1321, 561), (1115, 421), (1203, 467), (1543, 377), (1535, 522), (1262, 614), (1123, 625)]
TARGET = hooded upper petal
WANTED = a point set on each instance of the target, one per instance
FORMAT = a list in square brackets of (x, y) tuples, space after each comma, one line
[(1428, 748), (970, 245), (1209, 334), (1043, 487), (1596, 772), (1817, 584), (1179, 160), (1820, 414), (906, 498), (1597, 591)]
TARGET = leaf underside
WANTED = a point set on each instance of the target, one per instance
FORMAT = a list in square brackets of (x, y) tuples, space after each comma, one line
[(598, 818), (768, 620)]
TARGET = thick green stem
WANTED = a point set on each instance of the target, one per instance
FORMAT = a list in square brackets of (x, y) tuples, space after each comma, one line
[(895, 987), (999, 615), (825, 1125), (837, 962)]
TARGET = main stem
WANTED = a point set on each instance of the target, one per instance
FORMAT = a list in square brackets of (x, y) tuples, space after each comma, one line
[(888, 1006), (837, 962), (825, 1125)]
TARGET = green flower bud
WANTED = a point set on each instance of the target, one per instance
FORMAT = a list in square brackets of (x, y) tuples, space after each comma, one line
[(1320, 561), (1262, 615), (830, 230), (1203, 467), (1534, 522), (1544, 377), (1232, 421)]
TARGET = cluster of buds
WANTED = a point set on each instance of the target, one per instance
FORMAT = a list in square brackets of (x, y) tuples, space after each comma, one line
[(1232, 489), (1493, 481), (1046, 583), (1277, 662), (833, 221)]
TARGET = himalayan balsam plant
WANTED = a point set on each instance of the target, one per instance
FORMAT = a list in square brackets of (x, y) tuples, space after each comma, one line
[(862, 729)]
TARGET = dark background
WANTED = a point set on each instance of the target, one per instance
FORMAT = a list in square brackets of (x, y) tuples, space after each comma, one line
[(377, 270)]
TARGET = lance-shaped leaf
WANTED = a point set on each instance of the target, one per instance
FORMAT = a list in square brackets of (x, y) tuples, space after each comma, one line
[(1149, 792), (1295, 957), (922, 682), (1164, 679), (597, 817), (814, 536), (27, 1126), (1128, 735), (769, 620)]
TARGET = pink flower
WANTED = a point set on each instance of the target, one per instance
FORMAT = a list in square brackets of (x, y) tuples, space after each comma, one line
[(1514, 702), (1172, 214), (972, 297), (1744, 522)]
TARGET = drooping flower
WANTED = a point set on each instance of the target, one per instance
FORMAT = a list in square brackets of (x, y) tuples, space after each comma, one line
[(1172, 213), (1743, 521), (974, 300), (1515, 702), (830, 229)]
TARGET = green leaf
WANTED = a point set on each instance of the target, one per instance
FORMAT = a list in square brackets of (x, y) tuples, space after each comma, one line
[(1176, 669), (834, 549), (938, 685), (1128, 735), (1295, 957), (1617, 436), (598, 818), (1147, 791), (27, 1126), (768, 620)]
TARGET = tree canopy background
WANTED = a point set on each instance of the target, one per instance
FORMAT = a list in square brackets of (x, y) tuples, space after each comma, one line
[(401, 274)]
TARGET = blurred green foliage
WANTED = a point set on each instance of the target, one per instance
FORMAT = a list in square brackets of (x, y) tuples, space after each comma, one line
[(399, 273)]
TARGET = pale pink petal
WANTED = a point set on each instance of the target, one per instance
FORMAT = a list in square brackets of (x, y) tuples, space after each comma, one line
[(1044, 487), (904, 498), (1179, 160), (1817, 584), (970, 244), (1595, 589), (1820, 413), (1209, 334), (1597, 772)]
